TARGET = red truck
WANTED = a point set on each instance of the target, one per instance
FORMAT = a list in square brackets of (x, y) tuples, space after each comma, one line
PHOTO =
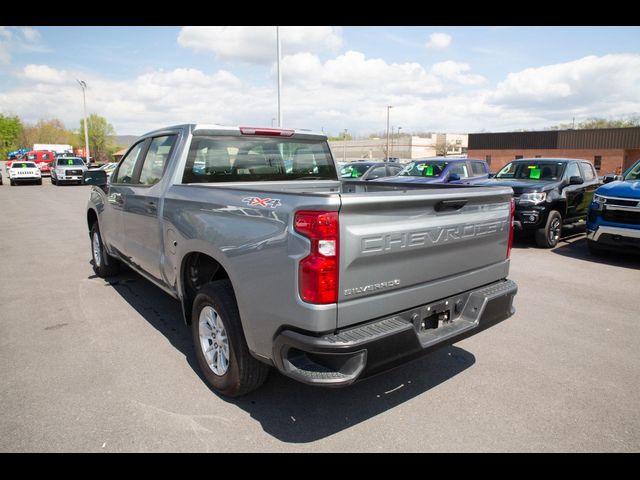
[(43, 158)]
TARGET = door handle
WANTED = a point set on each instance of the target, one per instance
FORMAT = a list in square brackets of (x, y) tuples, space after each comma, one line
[(151, 207), (445, 205)]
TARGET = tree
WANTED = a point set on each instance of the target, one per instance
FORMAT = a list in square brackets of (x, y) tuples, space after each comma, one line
[(100, 132), (10, 128), (46, 131), (598, 122)]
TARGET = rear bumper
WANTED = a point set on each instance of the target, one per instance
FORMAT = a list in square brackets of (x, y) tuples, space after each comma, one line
[(340, 358)]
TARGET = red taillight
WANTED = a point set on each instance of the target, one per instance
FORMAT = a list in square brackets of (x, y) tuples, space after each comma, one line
[(511, 218), (269, 132), (318, 272)]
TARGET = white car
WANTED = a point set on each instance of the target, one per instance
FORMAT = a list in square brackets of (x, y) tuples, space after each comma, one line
[(24, 172)]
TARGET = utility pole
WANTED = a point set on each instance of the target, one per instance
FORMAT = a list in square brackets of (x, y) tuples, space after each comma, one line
[(399, 128), (83, 85), (389, 107), (344, 146), (279, 78)]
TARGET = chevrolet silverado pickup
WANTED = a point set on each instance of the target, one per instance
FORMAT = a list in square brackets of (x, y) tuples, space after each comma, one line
[(278, 263)]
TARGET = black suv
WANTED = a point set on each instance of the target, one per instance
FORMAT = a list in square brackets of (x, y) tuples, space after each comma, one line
[(549, 193)]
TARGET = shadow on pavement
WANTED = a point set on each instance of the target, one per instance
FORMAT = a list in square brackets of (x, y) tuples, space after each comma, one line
[(527, 240), (577, 248), (286, 409)]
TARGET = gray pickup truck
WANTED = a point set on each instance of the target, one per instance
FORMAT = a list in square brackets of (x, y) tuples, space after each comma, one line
[(278, 263)]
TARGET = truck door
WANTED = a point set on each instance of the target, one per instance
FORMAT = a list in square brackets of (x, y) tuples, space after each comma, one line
[(575, 194), (112, 227), (142, 229), (591, 184)]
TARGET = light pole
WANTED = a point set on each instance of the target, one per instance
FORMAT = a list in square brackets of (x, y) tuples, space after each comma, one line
[(272, 121), (391, 152), (279, 77), (83, 85), (400, 149), (389, 107), (344, 146)]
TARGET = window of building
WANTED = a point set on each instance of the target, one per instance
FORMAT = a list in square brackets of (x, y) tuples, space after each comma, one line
[(487, 158), (537, 156), (597, 161), (518, 157)]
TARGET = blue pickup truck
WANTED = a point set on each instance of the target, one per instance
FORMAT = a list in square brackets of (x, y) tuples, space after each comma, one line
[(614, 215)]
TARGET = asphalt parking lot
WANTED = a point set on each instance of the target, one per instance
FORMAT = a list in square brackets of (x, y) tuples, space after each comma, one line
[(95, 365)]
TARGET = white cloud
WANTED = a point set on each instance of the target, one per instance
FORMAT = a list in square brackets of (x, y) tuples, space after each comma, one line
[(45, 74), (30, 35), (5, 33), (455, 71), (439, 41), (591, 81), (258, 44), (350, 91), (16, 40)]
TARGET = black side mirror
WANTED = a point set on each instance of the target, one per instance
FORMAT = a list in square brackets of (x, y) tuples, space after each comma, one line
[(609, 178), (491, 175), (454, 177), (576, 180), (94, 177)]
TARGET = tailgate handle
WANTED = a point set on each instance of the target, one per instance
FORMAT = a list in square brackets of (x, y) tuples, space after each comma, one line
[(445, 205)]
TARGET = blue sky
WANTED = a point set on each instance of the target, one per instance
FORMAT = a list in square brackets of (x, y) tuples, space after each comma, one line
[(456, 79)]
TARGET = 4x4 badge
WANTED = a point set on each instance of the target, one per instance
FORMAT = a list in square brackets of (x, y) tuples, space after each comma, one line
[(262, 202)]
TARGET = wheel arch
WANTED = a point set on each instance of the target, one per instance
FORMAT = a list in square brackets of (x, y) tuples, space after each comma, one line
[(92, 218), (197, 268)]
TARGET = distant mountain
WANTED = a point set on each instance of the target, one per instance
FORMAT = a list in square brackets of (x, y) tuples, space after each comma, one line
[(124, 140)]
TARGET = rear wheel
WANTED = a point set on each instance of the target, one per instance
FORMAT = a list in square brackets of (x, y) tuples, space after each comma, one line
[(549, 235), (40, 182), (12, 183), (220, 344), (103, 264)]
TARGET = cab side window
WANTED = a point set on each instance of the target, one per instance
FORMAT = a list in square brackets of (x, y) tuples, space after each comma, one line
[(124, 173), (460, 169), (156, 159), (572, 171), (478, 169), (587, 171)]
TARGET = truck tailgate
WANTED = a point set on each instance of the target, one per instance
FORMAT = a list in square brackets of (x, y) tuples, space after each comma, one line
[(404, 248)]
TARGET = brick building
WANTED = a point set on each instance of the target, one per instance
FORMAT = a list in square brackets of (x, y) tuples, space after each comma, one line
[(611, 150)]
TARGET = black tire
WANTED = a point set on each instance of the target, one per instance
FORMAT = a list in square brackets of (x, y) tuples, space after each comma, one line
[(53, 182), (594, 249), (107, 265), (549, 235), (244, 373), (12, 183), (40, 182)]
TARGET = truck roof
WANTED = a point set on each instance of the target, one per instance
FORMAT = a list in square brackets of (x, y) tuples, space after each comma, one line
[(240, 129)]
